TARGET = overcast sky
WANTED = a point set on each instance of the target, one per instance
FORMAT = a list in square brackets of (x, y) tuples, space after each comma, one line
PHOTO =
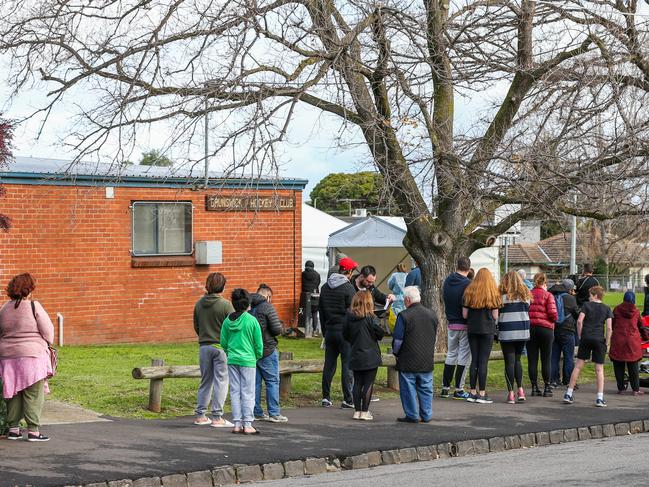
[(310, 152)]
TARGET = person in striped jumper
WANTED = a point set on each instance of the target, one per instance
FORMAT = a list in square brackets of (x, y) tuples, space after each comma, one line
[(514, 330)]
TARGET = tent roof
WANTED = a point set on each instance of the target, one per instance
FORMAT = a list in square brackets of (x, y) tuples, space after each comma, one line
[(373, 231), (317, 226)]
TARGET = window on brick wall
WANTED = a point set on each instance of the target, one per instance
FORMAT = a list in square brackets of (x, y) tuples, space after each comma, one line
[(162, 228)]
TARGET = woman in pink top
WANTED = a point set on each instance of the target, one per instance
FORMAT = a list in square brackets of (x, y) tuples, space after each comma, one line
[(25, 333)]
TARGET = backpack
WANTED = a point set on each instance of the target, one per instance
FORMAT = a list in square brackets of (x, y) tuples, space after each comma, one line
[(561, 314)]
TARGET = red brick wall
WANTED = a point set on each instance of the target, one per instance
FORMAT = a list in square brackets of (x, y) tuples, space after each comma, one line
[(77, 244)]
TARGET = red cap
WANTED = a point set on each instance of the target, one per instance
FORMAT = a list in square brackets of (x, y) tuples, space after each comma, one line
[(347, 264)]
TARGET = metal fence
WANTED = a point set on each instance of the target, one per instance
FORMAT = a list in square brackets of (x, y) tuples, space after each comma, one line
[(610, 283)]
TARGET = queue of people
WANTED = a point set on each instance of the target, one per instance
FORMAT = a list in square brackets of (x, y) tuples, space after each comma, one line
[(238, 343)]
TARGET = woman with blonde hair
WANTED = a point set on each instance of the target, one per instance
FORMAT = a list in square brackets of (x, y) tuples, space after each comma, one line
[(543, 314), (481, 303), (363, 332), (514, 330)]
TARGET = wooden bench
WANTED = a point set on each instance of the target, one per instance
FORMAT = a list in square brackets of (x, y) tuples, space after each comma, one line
[(158, 371)]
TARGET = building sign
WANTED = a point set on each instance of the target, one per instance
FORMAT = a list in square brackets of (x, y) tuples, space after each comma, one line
[(249, 203)]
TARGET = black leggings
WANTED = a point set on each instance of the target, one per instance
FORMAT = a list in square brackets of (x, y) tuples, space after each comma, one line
[(480, 351), (540, 344), (634, 374), (363, 385), (512, 352)]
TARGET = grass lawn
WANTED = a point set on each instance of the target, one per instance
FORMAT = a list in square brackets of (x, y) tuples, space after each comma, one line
[(99, 378), (615, 298)]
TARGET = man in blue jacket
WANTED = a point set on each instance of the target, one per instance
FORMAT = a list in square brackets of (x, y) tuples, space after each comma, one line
[(459, 352)]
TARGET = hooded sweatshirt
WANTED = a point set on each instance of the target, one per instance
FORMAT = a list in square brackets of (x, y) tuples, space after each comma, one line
[(453, 292), (241, 339), (209, 313), (335, 298)]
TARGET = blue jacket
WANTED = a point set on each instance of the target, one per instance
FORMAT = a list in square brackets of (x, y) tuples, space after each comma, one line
[(453, 293), (414, 277)]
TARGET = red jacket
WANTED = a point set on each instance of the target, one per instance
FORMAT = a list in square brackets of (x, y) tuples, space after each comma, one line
[(626, 338), (543, 310)]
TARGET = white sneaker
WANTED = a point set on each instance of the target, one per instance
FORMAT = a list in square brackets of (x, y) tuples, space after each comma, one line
[(366, 416), (202, 421), (277, 419), (221, 423), (357, 415)]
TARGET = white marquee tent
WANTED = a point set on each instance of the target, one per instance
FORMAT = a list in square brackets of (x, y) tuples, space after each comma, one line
[(378, 240), (316, 228)]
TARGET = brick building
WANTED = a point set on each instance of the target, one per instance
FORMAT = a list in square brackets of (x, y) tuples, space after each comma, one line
[(122, 254)]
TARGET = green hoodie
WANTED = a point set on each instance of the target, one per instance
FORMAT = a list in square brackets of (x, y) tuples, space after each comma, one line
[(241, 339)]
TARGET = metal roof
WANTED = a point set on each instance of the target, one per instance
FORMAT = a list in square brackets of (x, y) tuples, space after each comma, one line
[(43, 171)]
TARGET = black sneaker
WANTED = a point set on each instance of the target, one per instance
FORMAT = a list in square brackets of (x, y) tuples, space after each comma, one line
[(472, 398), (536, 391), (600, 403), (484, 399), (15, 436), (445, 392), (547, 391), (406, 419), (567, 398), (38, 437), (346, 405)]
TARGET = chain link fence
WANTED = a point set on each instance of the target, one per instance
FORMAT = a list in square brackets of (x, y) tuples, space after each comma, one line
[(610, 283)]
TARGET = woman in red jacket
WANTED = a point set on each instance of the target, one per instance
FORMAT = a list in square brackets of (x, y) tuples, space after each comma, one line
[(625, 349), (543, 314)]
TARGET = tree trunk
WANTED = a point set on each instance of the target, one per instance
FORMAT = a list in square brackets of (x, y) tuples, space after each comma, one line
[(436, 254)]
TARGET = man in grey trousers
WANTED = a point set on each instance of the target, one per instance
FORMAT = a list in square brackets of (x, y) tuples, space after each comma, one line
[(209, 313)]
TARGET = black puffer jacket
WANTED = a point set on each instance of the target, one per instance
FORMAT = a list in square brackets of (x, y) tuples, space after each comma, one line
[(363, 334), (310, 280), (335, 298), (271, 326)]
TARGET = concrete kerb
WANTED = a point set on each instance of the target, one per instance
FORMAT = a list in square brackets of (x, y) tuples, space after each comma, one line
[(235, 474)]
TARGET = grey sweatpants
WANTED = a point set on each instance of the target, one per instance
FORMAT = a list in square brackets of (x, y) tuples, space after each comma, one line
[(214, 380)]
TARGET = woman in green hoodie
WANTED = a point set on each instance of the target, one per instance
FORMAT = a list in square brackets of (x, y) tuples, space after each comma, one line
[(242, 342)]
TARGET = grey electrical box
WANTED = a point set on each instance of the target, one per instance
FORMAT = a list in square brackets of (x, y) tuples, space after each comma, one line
[(209, 252)]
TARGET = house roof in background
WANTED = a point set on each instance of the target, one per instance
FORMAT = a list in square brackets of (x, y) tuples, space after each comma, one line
[(555, 251)]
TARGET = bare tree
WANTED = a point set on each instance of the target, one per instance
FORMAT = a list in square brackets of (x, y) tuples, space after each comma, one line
[(6, 136), (391, 72)]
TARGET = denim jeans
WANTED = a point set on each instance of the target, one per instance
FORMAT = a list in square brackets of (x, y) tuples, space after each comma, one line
[(242, 394), (214, 380), (564, 343), (416, 391), (268, 372)]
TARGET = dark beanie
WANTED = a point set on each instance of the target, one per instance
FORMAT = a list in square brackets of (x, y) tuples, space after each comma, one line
[(629, 297)]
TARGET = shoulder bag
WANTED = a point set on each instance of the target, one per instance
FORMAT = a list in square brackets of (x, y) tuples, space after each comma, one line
[(54, 354)]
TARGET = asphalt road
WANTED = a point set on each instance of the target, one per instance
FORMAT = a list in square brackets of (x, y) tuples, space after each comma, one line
[(132, 449), (620, 461)]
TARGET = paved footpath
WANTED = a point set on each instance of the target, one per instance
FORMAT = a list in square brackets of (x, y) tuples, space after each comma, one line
[(132, 449)]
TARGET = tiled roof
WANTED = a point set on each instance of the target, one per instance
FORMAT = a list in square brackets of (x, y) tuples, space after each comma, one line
[(555, 250)]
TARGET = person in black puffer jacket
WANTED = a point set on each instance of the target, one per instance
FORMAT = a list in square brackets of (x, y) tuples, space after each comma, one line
[(363, 332), (267, 366), (335, 299)]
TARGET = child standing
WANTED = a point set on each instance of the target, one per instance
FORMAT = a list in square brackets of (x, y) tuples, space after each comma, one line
[(594, 327), (241, 340), (363, 332)]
